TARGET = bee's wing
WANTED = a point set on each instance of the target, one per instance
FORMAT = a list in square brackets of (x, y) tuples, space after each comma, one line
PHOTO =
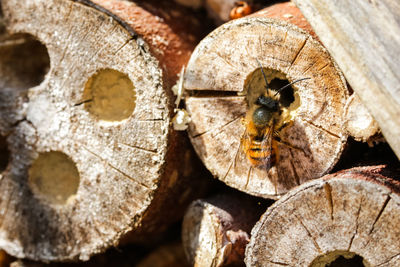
[(240, 155), (266, 145)]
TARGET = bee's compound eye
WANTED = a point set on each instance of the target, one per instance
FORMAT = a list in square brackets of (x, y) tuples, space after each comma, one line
[(261, 116)]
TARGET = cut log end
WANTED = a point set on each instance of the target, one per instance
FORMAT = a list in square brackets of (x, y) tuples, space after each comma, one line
[(215, 231), (359, 122), (85, 137), (224, 78), (345, 219)]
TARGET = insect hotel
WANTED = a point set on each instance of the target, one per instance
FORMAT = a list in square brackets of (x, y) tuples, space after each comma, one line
[(199, 133)]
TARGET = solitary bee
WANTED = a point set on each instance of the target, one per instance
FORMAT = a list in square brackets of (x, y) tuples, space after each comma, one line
[(263, 123)]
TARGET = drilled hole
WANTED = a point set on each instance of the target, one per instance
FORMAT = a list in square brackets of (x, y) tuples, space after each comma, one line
[(4, 154), (272, 88), (24, 61), (255, 85), (54, 177), (340, 259), (109, 95)]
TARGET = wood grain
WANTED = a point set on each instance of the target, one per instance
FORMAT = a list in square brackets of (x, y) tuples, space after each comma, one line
[(364, 39), (128, 169), (222, 78), (353, 212)]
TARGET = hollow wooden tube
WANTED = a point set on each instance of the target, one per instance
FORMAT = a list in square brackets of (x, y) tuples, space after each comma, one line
[(85, 126), (223, 79), (350, 216), (216, 230)]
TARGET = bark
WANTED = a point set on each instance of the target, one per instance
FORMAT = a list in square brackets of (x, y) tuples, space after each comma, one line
[(348, 218), (223, 79), (85, 114)]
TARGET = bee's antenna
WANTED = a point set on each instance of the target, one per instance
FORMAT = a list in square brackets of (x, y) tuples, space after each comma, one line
[(265, 77), (287, 85)]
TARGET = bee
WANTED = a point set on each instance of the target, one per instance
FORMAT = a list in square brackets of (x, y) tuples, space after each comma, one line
[(263, 122)]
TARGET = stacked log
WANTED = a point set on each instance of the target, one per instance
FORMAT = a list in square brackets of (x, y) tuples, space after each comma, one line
[(91, 156), (88, 153), (216, 230), (223, 80), (349, 217)]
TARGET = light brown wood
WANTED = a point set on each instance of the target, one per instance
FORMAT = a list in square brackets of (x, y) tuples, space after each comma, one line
[(216, 230), (352, 32), (353, 214), (218, 76), (85, 113), (359, 122)]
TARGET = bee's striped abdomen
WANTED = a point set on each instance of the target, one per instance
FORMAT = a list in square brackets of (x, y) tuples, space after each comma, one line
[(259, 154)]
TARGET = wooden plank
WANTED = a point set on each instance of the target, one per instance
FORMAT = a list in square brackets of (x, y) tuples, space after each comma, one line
[(364, 39)]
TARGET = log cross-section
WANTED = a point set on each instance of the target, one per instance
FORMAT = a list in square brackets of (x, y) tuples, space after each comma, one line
[(87, 151), (345, 219), (223, 79), (364, 39)]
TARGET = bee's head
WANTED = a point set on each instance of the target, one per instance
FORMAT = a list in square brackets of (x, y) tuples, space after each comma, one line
[(268, 103), (263, 114)]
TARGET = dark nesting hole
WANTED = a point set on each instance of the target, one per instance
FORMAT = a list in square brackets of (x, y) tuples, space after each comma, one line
[(287, 94), (4, 154), (341, 261), (24, 61)]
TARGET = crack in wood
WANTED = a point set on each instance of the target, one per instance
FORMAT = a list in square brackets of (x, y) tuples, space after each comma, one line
[(324, 66), (298, 52), (309, 234), (389, 259), (279, 263), (320, 128), (216, 128), (115, 168), (328, 195), (153, 151), (123, 45), (376, 219), (379, 214), (356, 230), (208, 93), (150, 120), (83, 102)]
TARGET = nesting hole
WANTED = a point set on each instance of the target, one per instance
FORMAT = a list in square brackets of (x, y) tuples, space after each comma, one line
[(340, 259), (24, 61), (4, 154), (54, 177), (109, 95), (255, 85)]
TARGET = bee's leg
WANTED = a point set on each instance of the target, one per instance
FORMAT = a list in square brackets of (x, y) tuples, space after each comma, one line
[(248, 176), (284, 125), (237, 153), (233, 163)]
